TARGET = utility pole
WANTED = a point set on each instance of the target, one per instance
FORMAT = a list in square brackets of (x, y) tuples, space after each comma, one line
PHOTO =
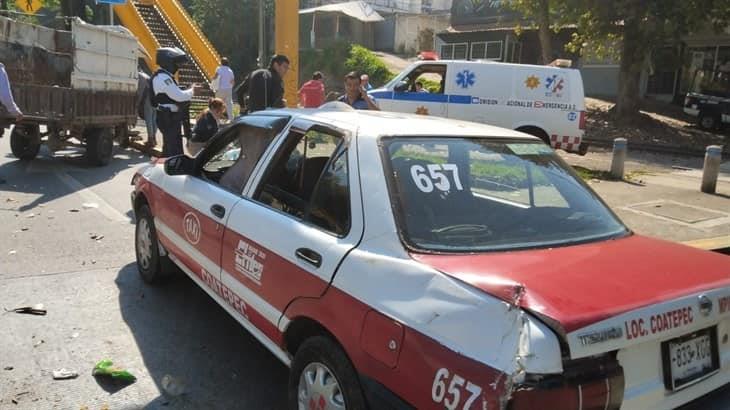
[(261, 34)]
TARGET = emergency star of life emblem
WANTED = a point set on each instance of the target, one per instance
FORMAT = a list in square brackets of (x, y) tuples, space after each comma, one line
[(191, 227), (554, 84), (465, 79), (532, 82), (250, 261)]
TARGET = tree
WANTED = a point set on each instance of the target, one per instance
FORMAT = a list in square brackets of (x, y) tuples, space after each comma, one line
[(537, 11), (632, 29)]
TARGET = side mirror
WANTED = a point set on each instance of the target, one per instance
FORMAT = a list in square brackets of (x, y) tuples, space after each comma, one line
[(179, 165), (402, 87)]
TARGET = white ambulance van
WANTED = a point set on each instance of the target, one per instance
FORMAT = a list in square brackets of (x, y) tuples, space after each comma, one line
[(543, 101)]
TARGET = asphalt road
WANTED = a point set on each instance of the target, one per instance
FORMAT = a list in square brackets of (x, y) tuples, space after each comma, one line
[(68, 243)]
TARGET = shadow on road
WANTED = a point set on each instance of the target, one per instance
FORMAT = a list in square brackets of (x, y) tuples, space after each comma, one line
[(35, 174), (181, 332)]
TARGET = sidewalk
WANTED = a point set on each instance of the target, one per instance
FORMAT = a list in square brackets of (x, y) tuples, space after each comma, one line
[(662, 199)]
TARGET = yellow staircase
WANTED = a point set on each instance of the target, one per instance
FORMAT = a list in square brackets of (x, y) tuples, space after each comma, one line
[(164, 23)]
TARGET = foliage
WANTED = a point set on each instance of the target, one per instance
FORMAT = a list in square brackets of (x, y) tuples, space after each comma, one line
[(365, 61)]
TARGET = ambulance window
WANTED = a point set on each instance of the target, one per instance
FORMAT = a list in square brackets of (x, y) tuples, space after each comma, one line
[(431, 76)]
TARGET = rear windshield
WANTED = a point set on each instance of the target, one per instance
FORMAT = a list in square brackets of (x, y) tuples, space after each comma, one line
[(474, 194)]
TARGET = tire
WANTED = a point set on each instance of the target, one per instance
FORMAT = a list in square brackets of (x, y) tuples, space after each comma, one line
[(99, 145), (708, 121), (318, 355), (25, 141), (537, 132), (152, 267), (121, 135)]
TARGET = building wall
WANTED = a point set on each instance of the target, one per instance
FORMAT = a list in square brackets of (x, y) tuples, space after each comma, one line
[(409, 26)]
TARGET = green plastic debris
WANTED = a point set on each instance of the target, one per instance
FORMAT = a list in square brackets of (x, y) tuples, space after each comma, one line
[(106, 368)]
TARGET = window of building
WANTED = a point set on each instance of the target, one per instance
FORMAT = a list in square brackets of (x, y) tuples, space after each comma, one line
[(455, 51), (486, 50)]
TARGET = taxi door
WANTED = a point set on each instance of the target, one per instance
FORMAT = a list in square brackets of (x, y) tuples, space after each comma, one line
[(298, 220)]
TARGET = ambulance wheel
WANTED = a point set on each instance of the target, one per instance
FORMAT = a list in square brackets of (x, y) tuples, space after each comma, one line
[(25, 141), (152, 267), (708, 121), (537, 132), (99, 145), (322, 377)]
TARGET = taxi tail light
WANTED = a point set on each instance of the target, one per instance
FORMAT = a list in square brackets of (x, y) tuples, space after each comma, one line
[(586, 384), (582, 121)]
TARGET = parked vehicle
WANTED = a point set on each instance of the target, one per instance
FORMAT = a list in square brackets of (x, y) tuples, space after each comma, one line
[(401, 261), (709, 98), (546, 102), (79, 84)]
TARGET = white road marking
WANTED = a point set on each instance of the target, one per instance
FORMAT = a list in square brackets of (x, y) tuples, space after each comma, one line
[(89, 196)]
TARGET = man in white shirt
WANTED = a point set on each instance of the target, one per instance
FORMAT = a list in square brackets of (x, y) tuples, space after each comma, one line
[(226, 80)]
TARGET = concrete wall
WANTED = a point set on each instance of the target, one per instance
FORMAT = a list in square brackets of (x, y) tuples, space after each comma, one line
[(408, 27)]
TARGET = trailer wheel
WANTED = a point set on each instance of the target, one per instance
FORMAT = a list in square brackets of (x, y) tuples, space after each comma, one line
[(99, 145), (121, 134), (25, 141)]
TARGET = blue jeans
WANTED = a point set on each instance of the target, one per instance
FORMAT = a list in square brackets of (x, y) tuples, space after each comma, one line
[(150, 119)]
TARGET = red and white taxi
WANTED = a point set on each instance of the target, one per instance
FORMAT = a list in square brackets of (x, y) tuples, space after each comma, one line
[(397, 261)]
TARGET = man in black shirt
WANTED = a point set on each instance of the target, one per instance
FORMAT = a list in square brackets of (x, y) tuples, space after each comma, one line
[(266, 85)]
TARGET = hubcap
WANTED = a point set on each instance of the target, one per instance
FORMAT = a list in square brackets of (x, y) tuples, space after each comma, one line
[(319, 389), (708, 122), (144, 244)]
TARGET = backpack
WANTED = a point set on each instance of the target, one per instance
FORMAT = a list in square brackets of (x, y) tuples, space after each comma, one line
[(241, 92)]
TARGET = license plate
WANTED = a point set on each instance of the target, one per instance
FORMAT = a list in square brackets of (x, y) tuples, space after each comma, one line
[(690, 358)]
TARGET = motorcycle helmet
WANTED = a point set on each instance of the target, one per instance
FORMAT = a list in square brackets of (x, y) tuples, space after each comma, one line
[(171, 58)]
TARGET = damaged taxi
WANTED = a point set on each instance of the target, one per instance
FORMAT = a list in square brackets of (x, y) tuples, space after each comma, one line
[(397, 261)]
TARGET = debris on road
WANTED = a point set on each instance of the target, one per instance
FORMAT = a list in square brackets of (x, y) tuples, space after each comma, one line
[(97, 237), (38, 343), (8, 368), (73, 210), (105, 368), (64, 374), (37, 309), (90, 205), (172, 385), (13, 252), (30, 215)]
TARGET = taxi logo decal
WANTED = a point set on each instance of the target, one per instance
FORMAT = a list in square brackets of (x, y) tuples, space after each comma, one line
[(532, 82), (465, 79), (250, 261), (191, 227)]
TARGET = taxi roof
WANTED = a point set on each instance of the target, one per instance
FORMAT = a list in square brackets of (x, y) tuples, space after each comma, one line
[(373, 124)]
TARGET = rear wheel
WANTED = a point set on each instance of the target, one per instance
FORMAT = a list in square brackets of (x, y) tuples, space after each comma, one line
[(152, 267), (537, 132), (322, 377), (121, 134), (708, 121), (25, 141), (99, 145)]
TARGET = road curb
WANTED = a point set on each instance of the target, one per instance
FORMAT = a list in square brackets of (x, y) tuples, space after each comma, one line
[(660, 149), (718, 244)]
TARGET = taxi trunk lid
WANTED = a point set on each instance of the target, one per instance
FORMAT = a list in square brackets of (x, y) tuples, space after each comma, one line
[(609, 290)]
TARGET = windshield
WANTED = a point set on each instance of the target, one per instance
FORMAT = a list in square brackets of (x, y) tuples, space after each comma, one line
[(715, 83), (474, 194)]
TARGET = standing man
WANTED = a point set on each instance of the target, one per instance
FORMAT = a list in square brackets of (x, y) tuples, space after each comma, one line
[(312, 92), (355, 94), (145, 108), (7, 101), (171, 101), (365, 80), (266, 88), (226, 81)]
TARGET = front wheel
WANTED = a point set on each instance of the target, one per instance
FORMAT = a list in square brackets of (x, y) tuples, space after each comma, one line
[(25, 141), (708, 121), (151, 265), (322, 377)]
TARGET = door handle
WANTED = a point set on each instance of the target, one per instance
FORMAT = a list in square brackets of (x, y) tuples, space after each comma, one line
[(218, 210), (309, 256)]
